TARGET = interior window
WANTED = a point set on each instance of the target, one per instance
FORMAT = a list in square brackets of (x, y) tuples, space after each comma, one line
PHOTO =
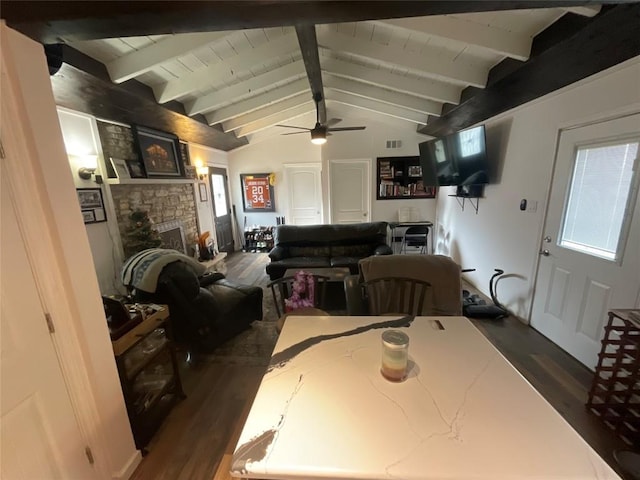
[(219, 198), (599, 204)]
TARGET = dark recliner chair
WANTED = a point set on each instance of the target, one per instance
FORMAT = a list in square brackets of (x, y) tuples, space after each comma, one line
[(205, 311)]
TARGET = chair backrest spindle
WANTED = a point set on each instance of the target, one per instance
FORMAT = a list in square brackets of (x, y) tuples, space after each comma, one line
[(396, 295)]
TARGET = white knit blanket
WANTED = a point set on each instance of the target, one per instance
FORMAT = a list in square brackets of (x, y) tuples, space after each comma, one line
[(141, 270)]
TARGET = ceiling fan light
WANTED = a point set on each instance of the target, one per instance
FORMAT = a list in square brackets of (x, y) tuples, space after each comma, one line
[(318, 136)]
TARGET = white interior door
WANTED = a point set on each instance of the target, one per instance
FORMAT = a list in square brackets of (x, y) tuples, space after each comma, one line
[(350, 188), (590, 254), (305, 193), (39, 435)]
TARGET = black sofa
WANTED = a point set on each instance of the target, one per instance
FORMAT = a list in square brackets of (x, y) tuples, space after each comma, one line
[(205, 308), (325, 246)]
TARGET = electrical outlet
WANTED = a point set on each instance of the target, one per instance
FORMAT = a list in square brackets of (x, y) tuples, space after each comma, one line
[(532, 206)]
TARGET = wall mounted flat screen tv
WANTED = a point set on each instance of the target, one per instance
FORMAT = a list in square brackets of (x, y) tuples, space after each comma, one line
[(456, 159)]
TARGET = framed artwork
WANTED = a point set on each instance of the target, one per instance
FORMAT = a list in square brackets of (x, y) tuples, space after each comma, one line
[(160, 152), (88, 216), (91, 205), (415, 171), (203, 192), (135, 168), (120, 167), (257, 193)]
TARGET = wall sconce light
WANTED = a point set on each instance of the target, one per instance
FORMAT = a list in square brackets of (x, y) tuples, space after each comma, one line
[(89, 164), (201, 169)]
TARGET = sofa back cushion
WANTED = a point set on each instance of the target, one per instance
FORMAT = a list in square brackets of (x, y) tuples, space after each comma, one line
[(362, 250), (331, 234), (311, 251)]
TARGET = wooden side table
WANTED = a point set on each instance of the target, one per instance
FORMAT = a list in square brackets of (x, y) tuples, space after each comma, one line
[(149, 375)]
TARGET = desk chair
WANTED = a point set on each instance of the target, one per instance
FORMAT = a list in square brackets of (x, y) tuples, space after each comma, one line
[(415, 237)]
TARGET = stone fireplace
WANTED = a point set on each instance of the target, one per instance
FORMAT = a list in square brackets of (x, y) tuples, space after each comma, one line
[(171, 206)]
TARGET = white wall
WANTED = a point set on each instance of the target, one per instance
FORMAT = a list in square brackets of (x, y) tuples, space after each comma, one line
[(522, 143), (80, 135), (371, 144), (269, 156)]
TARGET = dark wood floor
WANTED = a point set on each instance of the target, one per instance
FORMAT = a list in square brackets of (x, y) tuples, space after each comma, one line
[(197, 440)]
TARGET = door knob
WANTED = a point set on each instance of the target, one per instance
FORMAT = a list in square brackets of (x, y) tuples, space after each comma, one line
[(547, 239), (545, 252)]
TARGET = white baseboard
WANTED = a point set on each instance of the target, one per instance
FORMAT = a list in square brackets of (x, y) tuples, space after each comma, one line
[(127, 470)]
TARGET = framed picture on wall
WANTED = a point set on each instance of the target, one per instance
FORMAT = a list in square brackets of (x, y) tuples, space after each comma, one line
[(257, 192), (120, 167), (160, 152), (92, 205), (203, 191), (135, 168)]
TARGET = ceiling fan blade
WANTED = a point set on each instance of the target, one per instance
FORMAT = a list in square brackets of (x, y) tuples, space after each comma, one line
[(294, 133), (345, 129), (333, 121), (292, 126)]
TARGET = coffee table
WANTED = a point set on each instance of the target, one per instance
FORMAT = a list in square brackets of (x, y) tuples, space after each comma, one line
[(323, 410)]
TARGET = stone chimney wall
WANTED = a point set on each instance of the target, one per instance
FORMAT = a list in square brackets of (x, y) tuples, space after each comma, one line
[(162, 201)]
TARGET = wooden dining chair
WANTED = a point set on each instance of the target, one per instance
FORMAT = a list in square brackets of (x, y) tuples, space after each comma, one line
[(396, 295), (282, 289)]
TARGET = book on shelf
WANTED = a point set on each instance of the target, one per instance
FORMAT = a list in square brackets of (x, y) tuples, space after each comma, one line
[(386, 169)]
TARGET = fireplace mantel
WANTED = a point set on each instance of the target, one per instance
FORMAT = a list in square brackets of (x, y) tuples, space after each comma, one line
[(147, 181)]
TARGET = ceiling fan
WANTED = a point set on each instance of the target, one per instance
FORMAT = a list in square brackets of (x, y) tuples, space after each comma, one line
[(320, 132)]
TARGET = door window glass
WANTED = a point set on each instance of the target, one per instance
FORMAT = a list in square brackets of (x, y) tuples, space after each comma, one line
[(219, 198), (598, 206)]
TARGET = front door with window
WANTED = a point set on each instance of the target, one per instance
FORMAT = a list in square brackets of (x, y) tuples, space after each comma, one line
[(590, 253), (221, 210)]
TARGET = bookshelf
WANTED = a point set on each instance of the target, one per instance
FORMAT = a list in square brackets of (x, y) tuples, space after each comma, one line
[(401, 178)]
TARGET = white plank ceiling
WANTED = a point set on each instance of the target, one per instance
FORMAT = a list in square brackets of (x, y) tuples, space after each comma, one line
[(247, 81)]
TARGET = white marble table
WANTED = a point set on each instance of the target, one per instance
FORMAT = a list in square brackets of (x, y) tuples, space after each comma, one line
[(323, 410)]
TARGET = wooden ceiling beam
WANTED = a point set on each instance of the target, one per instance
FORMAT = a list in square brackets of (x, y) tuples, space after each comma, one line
[(309, 49), (419, 87), (377, 107), (250, 87), (608, 39), (383, 95), (69, 21), (83, 84), (141, 61), (280, 117), (428, 62), (257, 102), (225, 71), (264, 112)]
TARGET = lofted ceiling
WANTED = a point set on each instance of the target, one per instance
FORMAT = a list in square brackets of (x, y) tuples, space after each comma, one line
[(433, 73)]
